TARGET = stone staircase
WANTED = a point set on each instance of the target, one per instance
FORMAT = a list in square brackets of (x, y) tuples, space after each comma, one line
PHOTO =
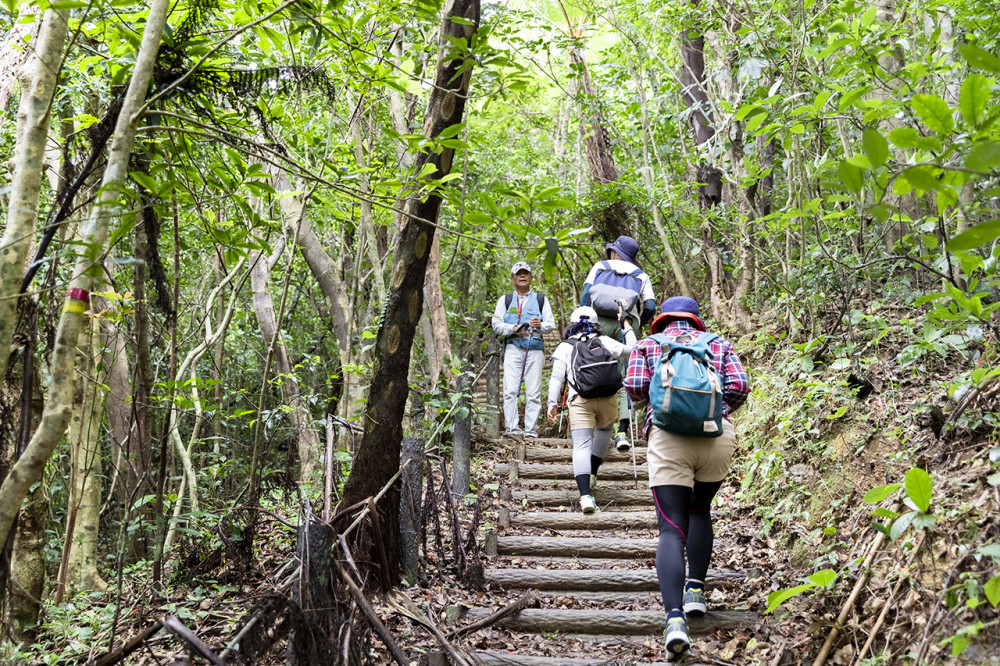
[(594, 574)]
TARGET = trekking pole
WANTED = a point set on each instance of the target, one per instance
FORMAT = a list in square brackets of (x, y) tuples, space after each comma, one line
[(524, 365), (563, 408)]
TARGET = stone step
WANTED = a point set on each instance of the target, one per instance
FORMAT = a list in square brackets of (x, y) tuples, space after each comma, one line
[(613, 622), (604, 520), (592, 580), (561, 455), (576, 547), (565, 472), (548, 484), (611, 497)]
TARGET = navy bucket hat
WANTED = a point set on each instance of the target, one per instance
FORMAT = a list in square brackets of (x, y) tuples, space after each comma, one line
[(626, 247), (677, 308)]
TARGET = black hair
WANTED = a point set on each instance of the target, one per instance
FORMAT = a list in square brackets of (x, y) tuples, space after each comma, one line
[(584, 326)]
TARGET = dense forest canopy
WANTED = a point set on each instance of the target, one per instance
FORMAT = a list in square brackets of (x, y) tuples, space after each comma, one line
[(250, 247)]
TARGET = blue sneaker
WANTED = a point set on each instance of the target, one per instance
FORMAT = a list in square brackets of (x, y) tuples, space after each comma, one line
[(676, 637), (695, 603)]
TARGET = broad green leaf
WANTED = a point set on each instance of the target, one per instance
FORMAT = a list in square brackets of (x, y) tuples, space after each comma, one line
[(900, 525), (823, 578), (959, 644), (904, 137), (984, 156), (920, 177), (875, 146), (850, 176), (992, 590), (837, 414), (779, 597), (975, 236), (934, 112), (979, 58), (974, 97), (876, 495), (919, 488)]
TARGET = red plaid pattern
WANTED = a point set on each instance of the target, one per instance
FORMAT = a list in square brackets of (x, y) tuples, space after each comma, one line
[(646, 354)]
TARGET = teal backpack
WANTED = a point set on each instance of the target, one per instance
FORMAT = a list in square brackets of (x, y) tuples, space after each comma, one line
[(685, 391)]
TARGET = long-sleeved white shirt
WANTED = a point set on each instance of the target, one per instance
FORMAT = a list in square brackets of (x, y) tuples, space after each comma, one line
[(503, 329), (563, 356)]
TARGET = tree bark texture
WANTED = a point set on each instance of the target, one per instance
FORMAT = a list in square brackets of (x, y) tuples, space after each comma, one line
[(461, 450), (13, 53), (378, 458), (695, 94), (492, 417), (29, 468), (84, 502), (26, 181), (305, 434), (410, 507), (434, 307), (27, 571)]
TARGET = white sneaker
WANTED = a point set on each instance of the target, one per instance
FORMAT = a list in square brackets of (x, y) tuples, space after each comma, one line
[(513, 433), (621, 442), (588, 504), (530, 433)]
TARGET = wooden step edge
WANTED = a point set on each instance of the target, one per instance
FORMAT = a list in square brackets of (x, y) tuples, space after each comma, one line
[(612, 621), (493, 658)]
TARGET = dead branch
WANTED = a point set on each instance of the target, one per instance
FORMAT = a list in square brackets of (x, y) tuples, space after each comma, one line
[(369, 613), (529, 598), (198, 646), (403, 605), (130, 646)]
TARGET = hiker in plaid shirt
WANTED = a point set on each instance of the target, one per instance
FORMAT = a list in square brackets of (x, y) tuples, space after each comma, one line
[(685, 472)]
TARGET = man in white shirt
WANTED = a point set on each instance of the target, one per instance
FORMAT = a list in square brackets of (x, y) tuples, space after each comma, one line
[(521, 318)]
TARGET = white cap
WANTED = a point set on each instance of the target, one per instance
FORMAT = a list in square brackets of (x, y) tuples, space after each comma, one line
[(584, 312), (520, 266)]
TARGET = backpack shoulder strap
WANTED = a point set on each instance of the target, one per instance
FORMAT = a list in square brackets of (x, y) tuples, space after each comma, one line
[(606, 265), (541, 301), (703, 345), (638, 273), (507, 300)]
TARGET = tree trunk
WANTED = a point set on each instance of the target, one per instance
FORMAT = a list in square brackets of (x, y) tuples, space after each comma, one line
[(26, 181), (30, 466), (695, 94), (461, 450), (306, 435), (434, 308), (13, 54), (27, 571), (378, 458), (79, 564)]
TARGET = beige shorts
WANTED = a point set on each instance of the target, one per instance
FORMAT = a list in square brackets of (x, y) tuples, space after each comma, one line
[(590, 413), (675, 460)]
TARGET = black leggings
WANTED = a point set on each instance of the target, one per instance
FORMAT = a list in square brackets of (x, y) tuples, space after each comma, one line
[(685, 525)]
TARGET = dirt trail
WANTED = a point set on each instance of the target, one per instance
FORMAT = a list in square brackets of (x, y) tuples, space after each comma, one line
[(600, 600)]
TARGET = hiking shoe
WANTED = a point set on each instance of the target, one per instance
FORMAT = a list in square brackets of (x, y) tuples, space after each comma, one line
[(513, 433), (530, 433), (676, 637), (588, 504), (621, 442), (695, 603), (593, 481)]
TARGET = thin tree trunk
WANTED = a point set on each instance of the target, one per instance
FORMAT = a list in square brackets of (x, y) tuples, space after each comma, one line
[(434, 307), (305, 434), (29, 468), (78, 571), (377, 460), (26, 182), (13, 53)]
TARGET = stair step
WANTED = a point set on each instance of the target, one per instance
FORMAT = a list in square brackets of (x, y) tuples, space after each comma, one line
[(504, 659), (606, 484), (562, 442), (593, 580), (565, 472), (605, 520), (613, 621), (608, 497), (560, 455), (606, 547)]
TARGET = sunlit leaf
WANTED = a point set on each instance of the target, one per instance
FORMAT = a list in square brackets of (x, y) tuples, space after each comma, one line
[(876, 495), (975, 236), (875, 146), (918, 486), (934, 112)]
